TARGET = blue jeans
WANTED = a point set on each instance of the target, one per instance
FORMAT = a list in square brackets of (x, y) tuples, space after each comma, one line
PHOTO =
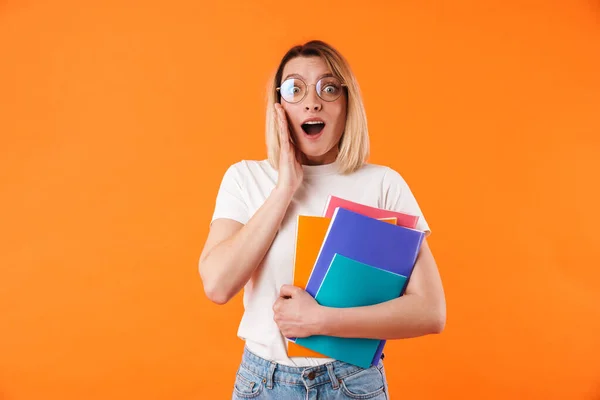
[(260, 379)]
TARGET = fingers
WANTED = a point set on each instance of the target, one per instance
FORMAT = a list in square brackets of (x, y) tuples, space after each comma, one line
[(289, 154), (283, 128), (277, 305), (288, 290)]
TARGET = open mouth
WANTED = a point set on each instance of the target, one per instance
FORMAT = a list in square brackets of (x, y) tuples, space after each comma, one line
[(313, 127)]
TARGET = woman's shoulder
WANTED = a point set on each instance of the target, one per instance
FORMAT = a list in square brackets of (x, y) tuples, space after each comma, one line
[(385, 172), (245, 168)]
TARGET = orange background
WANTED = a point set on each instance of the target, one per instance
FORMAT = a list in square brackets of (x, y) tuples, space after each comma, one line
[(118, 121)]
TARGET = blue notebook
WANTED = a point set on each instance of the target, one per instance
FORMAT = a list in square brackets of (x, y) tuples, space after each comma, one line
[(367, 240), (349, 283)]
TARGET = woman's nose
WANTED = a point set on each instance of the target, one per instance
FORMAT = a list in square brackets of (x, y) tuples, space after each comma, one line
[(313, 101), (313, 106)]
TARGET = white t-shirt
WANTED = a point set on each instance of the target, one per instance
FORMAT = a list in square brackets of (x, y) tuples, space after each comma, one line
[(245, 187)]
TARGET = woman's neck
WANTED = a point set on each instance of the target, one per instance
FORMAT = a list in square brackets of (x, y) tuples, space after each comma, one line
[(327, 158)]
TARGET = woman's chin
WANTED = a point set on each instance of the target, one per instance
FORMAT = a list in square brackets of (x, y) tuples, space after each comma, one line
[(311, 151)]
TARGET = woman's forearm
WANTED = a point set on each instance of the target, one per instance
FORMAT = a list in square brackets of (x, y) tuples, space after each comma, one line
[(405, 317), (420, 311), (230, 264)]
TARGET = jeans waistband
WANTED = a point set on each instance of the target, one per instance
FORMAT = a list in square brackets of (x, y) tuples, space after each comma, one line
[(270, 371)]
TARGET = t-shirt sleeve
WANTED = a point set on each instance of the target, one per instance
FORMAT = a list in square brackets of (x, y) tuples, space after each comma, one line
[(397, 196), (230, 201)]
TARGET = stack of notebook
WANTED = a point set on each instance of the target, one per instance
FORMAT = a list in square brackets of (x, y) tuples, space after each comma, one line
[(354, 255)]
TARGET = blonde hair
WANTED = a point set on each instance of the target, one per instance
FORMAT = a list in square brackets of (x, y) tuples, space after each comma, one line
[(354, 143)]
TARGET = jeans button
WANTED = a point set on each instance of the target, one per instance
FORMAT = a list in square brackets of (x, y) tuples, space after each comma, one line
[(311, 375)]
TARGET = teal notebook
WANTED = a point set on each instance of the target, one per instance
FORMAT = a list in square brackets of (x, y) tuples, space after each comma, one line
[(349, 283)]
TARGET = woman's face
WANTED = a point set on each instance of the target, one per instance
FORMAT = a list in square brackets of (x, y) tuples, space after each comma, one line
[(318, 140)]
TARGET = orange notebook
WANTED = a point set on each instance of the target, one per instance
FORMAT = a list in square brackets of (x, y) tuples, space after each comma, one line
[(310, 232)]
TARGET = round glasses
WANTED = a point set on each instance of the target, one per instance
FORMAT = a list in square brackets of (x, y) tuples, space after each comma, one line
[(294, 90)]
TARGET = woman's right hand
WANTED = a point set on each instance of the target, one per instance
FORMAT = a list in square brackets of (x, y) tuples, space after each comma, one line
[(290, 169)]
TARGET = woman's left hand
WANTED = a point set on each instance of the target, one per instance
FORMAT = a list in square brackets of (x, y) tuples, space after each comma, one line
[(296, 312)]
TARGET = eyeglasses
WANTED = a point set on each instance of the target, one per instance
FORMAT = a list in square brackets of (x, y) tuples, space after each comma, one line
[(294, 90)]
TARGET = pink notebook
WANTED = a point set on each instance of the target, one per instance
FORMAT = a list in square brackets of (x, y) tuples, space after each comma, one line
[(403, 219)]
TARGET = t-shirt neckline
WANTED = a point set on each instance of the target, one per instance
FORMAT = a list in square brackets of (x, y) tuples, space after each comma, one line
[(323, 169)]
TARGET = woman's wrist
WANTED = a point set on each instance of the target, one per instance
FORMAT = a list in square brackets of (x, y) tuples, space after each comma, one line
[(283, 193), (322, 320)]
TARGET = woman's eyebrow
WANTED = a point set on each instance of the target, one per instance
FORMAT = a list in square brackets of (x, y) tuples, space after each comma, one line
[(327, 75)]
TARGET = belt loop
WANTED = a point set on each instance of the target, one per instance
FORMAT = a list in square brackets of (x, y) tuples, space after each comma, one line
[(334, 379), (270, 374)]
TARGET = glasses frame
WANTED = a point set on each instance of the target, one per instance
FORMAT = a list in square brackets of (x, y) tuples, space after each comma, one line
[(278, 89)]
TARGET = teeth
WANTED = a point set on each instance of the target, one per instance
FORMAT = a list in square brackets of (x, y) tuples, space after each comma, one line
[(314, 122)]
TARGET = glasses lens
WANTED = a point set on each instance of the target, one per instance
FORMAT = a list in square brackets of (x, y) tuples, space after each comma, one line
[(329, 88), (292, 90)]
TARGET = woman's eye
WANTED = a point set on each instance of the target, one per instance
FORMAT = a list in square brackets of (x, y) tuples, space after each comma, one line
[(291, 90)]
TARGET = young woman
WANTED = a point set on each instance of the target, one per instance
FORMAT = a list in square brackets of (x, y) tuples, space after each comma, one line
[(318, 144)]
